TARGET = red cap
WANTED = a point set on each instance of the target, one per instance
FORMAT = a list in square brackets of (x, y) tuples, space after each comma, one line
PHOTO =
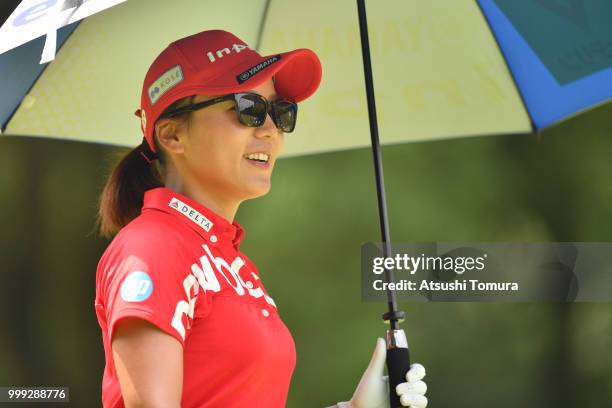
[(217, 62)]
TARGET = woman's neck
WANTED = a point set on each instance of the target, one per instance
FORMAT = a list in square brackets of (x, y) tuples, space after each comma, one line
[(224, 208)]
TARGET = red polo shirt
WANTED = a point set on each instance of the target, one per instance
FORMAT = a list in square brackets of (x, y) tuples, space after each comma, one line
[(178, 266)]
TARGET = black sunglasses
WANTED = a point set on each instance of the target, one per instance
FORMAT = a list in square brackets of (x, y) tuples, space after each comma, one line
[(251, 110)]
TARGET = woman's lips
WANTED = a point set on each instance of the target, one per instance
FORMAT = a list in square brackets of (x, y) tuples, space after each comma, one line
[(262, 165), (259, 158)]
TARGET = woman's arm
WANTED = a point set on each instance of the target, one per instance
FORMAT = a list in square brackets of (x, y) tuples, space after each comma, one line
[(149, 365)]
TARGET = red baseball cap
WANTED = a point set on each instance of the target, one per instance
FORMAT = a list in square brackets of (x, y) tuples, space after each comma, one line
[(216, 62)]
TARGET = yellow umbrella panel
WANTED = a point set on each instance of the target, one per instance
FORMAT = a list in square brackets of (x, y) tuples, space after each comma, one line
[(438, 72)]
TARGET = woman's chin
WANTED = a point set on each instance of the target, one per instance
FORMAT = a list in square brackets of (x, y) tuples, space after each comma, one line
[(258, 188)]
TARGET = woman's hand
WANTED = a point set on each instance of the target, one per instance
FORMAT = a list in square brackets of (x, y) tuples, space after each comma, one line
[(373, 389)]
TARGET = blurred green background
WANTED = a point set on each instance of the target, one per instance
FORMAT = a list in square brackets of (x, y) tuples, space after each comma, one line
[(305, 237)]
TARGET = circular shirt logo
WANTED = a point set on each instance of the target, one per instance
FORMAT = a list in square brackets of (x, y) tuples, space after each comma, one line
[(136, 287), (244, 76)]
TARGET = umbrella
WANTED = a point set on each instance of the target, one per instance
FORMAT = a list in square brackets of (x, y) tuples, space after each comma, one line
[(439, 70), (442, 69), (33, 18)]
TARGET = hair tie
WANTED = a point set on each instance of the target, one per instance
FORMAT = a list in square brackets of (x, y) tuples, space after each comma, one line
[(146, 152)]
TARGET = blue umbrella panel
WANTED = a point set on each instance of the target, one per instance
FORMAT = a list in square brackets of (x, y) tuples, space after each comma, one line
[(559, 53)]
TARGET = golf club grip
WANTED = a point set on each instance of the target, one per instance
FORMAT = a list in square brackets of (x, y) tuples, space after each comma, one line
[(398, 364)]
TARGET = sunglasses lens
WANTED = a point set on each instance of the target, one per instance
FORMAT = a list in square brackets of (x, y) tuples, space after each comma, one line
[(251, 109), (285, 115)]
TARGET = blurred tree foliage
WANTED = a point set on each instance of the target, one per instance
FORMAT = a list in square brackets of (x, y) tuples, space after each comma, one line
[(305, 236)]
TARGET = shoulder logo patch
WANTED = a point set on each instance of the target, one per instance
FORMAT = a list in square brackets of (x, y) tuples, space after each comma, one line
[(136, 287)]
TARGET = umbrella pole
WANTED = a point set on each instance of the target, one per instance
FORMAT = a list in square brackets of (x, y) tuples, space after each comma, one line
[(398, 360)]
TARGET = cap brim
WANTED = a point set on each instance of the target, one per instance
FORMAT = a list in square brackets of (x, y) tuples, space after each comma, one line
[(297, 76)]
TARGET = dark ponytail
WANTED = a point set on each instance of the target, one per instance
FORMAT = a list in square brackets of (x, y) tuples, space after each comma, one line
[(123, 194)]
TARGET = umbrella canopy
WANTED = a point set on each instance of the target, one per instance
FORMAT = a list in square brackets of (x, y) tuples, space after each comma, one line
[(439, 70), (558, 52), (20, 67), (34, 18)]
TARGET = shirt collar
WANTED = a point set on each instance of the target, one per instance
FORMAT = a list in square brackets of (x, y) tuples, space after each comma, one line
[(201, 219)]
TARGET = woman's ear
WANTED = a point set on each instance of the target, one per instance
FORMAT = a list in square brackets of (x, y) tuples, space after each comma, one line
[(169, 136)]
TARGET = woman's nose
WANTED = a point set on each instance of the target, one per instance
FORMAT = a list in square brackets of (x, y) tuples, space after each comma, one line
[(268, 129)]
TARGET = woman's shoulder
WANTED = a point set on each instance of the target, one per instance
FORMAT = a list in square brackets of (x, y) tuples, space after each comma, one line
[(146, 234), (146, 245)]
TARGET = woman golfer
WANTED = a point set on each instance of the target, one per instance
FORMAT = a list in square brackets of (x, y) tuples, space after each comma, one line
[(186, 320)]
